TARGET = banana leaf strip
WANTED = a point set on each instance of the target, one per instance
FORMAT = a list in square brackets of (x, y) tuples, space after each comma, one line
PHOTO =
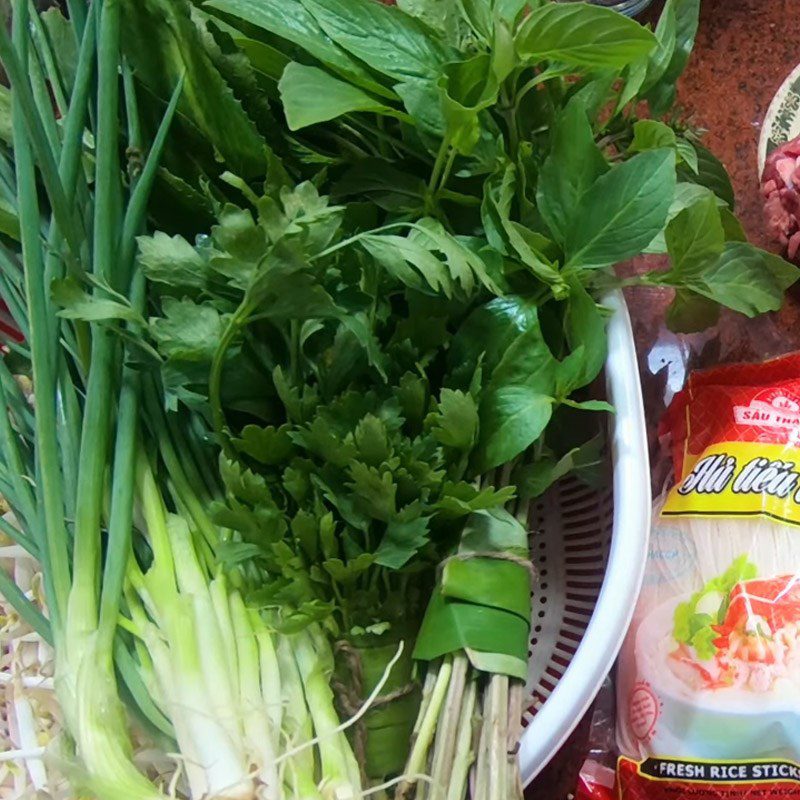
[(482, 601), (380, 739)]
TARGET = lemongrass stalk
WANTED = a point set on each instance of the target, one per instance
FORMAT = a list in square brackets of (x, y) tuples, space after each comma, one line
[(516, 694), (418, 757), (462, 754), (260, 737), (481, 773), (498, 731), (447, 729)]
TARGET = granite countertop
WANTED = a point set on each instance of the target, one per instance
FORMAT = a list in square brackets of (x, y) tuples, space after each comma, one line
[(744, 51)]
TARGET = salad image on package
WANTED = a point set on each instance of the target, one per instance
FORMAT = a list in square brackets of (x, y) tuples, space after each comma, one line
[(709, 683)]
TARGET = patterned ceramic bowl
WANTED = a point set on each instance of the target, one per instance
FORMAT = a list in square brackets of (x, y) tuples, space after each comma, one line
[(782, 122)]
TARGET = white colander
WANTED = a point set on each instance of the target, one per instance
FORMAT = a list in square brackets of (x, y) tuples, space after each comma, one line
[(589, 548)]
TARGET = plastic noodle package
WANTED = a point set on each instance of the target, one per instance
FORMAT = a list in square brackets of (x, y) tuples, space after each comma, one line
[(709, 676)]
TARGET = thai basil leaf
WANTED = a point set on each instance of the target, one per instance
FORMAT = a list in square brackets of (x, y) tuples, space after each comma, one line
[(585, 35), (290, 20), (467, 88), (686, 195), (695, 237), (310, 95), (443, 16), (585, 327), (383, 37), (509, 10), (734, 232), (479, 15), (422, 99), (746, 279), (666, 33), (518, 402), (690, 312), (488, 333), (709, 173), (686, 17), (687, 154), (571, 168), (513, 417), (650, 134), (623, 211)]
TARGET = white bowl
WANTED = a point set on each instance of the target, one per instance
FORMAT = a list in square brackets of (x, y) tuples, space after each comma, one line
[(725, 724)]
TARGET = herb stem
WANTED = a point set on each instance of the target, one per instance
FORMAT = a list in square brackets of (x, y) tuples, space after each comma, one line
[(358, 236), (510, 116), (448, 167), (233, 327), (438, 165)]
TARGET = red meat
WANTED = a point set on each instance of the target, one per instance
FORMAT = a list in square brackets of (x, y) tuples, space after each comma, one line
[(780, 185)]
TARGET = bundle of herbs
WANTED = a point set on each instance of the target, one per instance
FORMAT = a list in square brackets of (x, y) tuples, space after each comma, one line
[(395, 334), (104, 489), (358, 338)]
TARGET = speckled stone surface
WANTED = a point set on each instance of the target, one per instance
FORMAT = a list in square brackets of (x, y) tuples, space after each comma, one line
[(744, 51)]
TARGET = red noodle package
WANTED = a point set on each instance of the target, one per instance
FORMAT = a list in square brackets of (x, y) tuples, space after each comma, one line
[(709, 678)]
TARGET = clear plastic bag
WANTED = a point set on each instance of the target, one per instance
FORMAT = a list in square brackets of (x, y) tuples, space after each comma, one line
[(709, 676)]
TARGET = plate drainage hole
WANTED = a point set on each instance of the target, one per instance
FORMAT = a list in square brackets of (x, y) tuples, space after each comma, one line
[(541, 615), (543, 587), (537, 629)]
